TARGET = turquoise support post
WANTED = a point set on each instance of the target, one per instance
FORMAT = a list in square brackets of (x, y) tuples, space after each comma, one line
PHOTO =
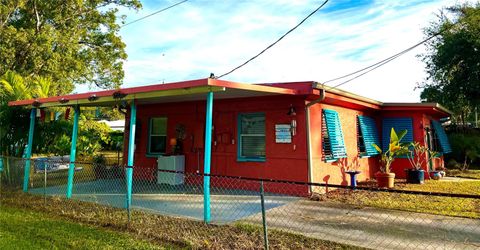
[(131, 149), (28, 153), (207, 158), (73, 152)]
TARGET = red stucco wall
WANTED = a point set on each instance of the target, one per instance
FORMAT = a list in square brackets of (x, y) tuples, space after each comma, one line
[(333, 173), (283, 161)]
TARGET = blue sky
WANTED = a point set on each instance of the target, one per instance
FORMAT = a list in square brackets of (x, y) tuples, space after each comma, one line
[(198, 37)]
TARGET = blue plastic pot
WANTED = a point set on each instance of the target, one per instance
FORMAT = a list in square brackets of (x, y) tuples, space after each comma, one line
[(415, 176)]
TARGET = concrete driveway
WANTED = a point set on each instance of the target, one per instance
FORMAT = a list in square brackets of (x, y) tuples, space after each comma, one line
[(185, 201), (373, 228)]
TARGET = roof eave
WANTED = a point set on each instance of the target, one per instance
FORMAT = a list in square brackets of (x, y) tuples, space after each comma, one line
[(107, 97), (432, 105)]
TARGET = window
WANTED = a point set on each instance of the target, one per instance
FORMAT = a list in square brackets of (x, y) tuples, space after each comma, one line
[(367, 135), (434, 143), (251, 133), (399, 124), (333, 146), (157, 135), (440, 140)]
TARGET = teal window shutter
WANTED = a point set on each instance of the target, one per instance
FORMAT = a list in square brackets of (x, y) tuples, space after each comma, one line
[(442, 137), (398, 124), (368, 135), (333, 144), (251, 137)]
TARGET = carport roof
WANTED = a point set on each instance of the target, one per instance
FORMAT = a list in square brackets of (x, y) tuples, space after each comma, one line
[(172, 92), (194, 90)]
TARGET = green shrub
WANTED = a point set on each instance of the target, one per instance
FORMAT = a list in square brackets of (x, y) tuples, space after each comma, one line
[(465, 149), (55, 137), (116, 141)]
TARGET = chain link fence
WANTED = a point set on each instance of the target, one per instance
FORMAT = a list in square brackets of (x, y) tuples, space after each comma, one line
[(250, 212)]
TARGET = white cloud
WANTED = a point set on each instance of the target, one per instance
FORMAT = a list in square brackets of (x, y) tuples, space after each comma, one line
[(196, 38)]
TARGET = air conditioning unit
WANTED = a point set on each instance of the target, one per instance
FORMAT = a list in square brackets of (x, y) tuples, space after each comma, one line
[(171, 163)]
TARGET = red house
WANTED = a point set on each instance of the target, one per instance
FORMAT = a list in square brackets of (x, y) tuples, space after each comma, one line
[(297, 131)]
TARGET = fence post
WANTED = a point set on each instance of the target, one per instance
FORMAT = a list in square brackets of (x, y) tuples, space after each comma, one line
[(131, 148), (264, 217), (207, 158), (73, 152), (28, 154), (44, 185)]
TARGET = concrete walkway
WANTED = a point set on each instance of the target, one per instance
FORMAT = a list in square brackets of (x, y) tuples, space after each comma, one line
[(374, 228)]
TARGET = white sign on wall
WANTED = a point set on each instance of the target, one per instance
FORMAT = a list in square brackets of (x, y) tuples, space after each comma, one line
[(283, 133)]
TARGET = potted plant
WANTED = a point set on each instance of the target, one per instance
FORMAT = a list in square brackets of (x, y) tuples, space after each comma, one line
[(385, 179), (442, 171), (416, 157)]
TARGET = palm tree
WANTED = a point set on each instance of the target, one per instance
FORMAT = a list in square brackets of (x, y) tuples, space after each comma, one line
[(43, 87), (12, 87)]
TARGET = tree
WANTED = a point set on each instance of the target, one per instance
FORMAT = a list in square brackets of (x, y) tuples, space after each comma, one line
[(69, 42), (453, 60), (13, 120)]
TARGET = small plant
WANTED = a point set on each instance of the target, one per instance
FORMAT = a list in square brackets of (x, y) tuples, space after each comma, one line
[(395, 148), (99, 166), (99, 159), (416, 155)]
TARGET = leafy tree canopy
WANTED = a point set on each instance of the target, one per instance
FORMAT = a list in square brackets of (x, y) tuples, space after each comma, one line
[(70, 42), (453, 60)]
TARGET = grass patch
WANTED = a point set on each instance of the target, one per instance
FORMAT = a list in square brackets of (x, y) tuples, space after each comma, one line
[(452, 187), (289, 240), (178, 232), (57, 178), (23, 229), (440, 205), (472, 174)]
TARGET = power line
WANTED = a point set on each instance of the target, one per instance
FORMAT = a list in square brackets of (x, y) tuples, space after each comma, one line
[(154, 13), (273, 44), (382, 62)]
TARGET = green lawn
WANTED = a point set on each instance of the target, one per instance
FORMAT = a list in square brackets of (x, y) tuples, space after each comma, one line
[(23, 229), (473, 174), (176, 232), (454, 187), (462, 207)]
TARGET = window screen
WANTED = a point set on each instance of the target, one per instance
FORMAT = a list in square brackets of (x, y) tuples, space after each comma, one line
[(251, 136), (157, 141)]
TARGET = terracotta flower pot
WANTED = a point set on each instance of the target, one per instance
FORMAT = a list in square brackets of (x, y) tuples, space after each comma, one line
[(385, 180)]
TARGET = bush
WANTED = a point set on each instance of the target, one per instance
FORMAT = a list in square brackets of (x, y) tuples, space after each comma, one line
[(55, 137), (105, 171), (465, 149), (116, 141)]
